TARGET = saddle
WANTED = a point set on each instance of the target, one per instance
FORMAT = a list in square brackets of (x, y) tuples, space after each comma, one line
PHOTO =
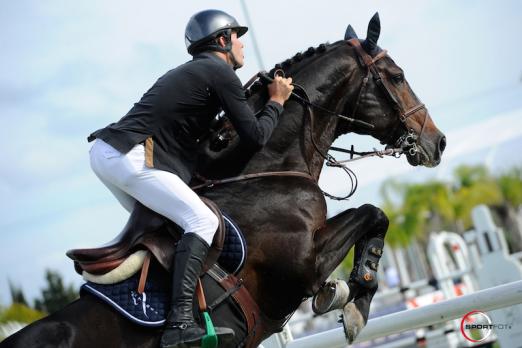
[(148, 232), (145, 230)]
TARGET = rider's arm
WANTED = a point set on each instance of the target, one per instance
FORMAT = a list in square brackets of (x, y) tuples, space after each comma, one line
[(253, 130)]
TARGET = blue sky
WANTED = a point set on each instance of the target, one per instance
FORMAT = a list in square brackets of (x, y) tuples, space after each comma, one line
[(68, 68)]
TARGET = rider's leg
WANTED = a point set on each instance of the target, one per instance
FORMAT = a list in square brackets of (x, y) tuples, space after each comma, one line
[(169, 196), (100, 154), (161, 191)]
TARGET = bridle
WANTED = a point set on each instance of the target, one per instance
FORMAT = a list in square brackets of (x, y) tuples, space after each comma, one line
[(408, 141)]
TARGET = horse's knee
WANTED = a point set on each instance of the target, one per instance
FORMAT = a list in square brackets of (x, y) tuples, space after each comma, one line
[(376, 216)]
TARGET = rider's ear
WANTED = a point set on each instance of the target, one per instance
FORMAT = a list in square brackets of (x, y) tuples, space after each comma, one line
[(221, 40), (374, 30), (350, 33)]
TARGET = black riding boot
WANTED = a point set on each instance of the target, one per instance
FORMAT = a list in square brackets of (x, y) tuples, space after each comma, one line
[(180, 329)]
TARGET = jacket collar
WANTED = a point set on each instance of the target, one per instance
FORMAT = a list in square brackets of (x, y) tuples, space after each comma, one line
[(209, 55)]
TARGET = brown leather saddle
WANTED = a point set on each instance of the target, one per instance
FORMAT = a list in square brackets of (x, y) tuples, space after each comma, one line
[(145, 230), (148, 230)]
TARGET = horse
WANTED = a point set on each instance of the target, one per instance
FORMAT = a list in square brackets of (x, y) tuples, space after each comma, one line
[(292, 247)]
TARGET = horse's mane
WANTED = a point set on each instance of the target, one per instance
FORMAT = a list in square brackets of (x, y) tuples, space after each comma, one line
[(231, 160), (294, 63)]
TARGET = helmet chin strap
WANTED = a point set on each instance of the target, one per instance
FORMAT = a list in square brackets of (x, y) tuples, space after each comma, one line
[(215, 45), (228, 51), (233, 60)]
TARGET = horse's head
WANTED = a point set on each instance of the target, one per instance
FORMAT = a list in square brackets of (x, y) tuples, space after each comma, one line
[(351, 77), (386, 101)]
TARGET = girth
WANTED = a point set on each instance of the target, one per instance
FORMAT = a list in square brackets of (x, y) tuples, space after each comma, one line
[(259, 326)]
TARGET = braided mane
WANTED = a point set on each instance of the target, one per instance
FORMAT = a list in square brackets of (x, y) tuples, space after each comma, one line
[(287, 64)]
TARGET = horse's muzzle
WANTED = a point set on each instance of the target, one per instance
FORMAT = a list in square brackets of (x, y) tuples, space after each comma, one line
[(429, 150)]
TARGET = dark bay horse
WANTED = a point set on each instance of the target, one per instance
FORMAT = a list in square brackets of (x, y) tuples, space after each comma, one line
[(293, 248)]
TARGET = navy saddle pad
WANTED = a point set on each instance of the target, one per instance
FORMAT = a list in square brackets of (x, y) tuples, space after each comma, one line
[(151, 307), (234, 253), (147, 309)]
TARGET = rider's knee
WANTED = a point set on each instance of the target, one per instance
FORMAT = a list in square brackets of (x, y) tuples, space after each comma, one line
[(213, 221), (205, 225)]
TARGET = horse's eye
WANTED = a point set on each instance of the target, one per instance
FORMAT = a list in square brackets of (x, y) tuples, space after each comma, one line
[(398, 78)]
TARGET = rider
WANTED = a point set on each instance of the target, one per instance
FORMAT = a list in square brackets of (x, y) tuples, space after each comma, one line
[(150, 154)]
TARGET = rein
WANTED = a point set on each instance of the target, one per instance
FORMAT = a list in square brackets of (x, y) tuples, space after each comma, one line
[(408, 141), (211, 183)]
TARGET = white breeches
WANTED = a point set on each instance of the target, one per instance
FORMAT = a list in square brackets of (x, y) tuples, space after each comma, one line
[(129, 179)]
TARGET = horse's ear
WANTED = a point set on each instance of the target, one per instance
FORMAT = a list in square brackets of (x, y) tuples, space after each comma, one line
[(350, 33), (374, 30)]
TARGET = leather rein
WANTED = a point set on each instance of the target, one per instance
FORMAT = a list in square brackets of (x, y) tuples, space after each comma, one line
[(408, 141)]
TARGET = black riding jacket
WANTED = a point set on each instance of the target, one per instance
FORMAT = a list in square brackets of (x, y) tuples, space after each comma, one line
[(178, 109)]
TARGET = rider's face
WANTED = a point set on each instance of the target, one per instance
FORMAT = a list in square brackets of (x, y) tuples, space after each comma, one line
[(237, 50)]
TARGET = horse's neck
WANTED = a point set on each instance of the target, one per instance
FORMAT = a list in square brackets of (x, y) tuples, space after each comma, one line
[(291, 148)]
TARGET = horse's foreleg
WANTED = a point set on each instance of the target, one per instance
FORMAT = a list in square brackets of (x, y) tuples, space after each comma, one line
[(341, 233), (365, 227)]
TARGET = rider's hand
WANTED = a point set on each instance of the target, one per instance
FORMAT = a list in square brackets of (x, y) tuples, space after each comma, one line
[(280, 89)]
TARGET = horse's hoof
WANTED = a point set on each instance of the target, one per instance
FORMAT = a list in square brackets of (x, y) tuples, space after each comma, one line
[(332, 295), (353, 322)]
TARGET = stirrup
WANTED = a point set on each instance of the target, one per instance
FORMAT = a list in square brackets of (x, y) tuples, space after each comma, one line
[(215, 334), (175, 336), (210, 340)]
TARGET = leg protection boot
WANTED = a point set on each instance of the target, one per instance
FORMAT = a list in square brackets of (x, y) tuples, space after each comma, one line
[(367, 256), (363, 285)]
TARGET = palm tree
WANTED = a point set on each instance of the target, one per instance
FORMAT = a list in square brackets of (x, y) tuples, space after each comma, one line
[(422, 207), (474, 186), (414, 209)]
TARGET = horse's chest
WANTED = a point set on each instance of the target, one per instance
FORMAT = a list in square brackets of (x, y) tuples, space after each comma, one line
[(276, 208)]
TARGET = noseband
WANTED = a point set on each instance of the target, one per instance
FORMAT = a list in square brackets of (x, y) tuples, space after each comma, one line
[(409, 140)]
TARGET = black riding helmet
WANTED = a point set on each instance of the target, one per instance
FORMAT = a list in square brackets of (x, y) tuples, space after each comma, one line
[(205, 26)]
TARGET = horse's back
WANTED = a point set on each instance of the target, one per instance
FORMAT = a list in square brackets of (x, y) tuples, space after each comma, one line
[(85, 322)]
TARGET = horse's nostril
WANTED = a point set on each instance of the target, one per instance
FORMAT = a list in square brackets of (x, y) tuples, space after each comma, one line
[(442, 144)]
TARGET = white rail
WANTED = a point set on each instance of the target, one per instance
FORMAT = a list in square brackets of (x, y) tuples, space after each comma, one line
[(485, 300)]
